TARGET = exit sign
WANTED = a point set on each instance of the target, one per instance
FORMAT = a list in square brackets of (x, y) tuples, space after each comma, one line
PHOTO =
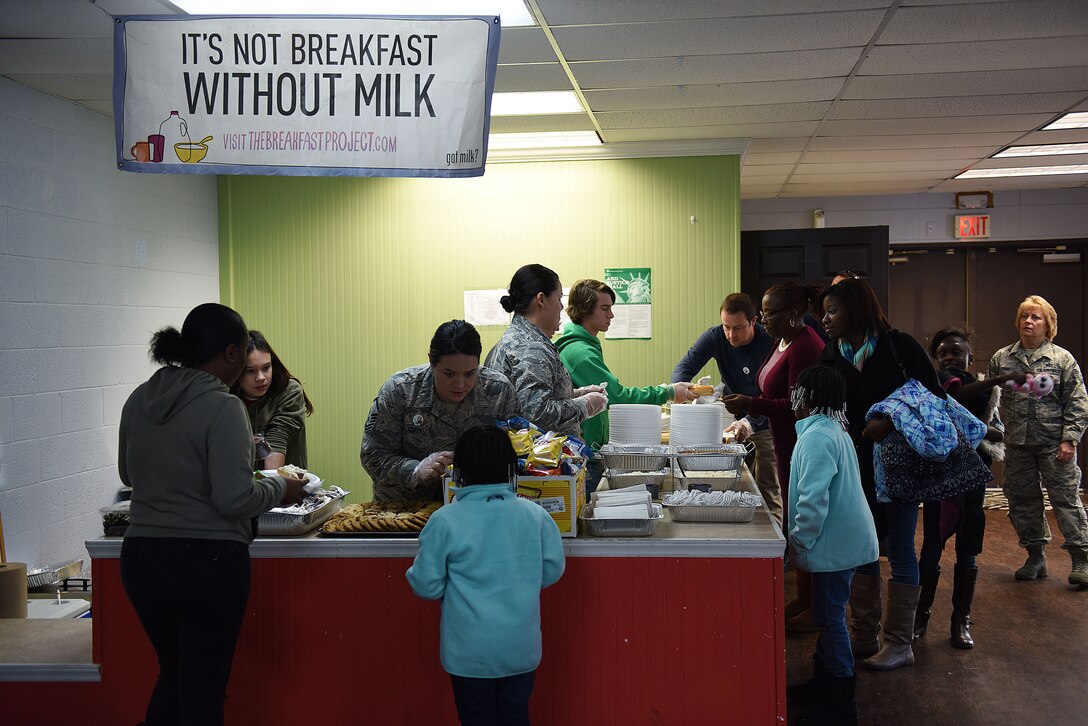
[(972, 226)]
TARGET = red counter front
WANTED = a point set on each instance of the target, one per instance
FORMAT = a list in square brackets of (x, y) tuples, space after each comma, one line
[(672, 631)]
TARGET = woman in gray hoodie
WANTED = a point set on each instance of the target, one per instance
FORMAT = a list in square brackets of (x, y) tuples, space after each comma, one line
[(186, 450)]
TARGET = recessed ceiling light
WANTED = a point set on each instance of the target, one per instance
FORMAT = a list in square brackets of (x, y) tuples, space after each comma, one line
[(1077, 120), (1042, 150), (531, 104), (513, 12), (543, 140), (1024, 171)]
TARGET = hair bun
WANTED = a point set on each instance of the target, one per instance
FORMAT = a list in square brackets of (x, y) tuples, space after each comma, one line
[(507, 303)]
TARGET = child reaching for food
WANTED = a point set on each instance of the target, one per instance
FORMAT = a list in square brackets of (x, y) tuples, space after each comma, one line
[(487, 557), (831, 532)]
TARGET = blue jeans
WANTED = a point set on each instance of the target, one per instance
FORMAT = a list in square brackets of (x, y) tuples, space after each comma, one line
[(901, 521), (830, 593), (493, 701), (193, 628)]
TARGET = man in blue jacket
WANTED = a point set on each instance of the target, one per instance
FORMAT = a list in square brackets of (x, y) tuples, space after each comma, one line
[(739, 346)]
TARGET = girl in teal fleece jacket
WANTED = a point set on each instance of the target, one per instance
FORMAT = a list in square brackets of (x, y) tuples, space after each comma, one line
[(487, 556), (589, 305), (831, 532)]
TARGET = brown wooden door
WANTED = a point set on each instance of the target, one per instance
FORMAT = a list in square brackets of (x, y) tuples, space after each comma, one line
[(768, 257)]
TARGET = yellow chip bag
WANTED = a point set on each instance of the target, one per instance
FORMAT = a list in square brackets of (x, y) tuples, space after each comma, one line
[(546, 451), (522, 441)]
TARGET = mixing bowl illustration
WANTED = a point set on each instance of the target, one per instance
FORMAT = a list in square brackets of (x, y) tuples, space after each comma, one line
[(192, 152)]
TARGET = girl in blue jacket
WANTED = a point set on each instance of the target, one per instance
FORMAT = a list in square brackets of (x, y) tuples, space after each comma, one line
[(487, 556), (831, 532)]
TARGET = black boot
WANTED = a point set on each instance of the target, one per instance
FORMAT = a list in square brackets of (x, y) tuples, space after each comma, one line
[(808, 693), (837, 706), (928, 580), (963, 592)]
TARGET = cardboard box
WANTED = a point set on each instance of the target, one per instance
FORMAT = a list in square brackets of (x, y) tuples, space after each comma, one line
[(561, 496)]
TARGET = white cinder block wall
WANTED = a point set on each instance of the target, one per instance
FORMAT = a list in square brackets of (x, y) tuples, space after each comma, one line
[(92, 262), (1030, 214)]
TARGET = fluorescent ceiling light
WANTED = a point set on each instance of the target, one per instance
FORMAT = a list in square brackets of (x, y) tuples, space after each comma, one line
[(513, 12), (1077, 120), (1024, 171), (531, 104), (1043, 150), (543, 140)]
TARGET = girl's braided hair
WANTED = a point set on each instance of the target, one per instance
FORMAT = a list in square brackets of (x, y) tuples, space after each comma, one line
[(821, 390)]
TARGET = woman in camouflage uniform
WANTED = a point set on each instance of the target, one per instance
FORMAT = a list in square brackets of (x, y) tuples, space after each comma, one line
[(420, 412), (1041, 440), (526, 355)]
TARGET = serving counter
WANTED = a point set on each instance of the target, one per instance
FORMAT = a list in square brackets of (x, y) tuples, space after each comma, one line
[(684, 627)]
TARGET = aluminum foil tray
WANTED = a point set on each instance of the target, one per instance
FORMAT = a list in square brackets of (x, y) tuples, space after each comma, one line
[(281, 524)]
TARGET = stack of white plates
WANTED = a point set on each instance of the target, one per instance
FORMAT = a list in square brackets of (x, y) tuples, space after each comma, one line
[(697, 424), (634, 423)]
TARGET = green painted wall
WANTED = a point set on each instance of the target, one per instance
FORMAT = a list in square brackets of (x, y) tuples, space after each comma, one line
[(349, 277)]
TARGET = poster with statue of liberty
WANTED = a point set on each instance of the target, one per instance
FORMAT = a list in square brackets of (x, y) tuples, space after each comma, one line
[(633, 298)]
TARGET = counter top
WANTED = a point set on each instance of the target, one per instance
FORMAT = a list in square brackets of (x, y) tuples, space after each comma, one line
[(46, 651), (758, 539)]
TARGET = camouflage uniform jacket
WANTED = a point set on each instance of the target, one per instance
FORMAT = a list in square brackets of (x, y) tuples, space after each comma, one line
[(1059, 416), (531, 361), (407, 422)]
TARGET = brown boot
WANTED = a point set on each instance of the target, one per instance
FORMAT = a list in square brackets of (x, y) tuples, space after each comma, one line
[(865, 615), (898, 628)]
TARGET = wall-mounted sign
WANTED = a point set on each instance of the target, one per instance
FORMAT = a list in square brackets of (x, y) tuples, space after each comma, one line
[(972, 226), (304, 96), (633, 302)]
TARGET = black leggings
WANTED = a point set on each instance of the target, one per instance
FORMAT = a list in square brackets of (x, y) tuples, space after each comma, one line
[(969, 530), (193, 627)]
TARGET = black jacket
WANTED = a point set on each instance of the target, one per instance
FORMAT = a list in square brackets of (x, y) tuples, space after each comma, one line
[(877, 379)]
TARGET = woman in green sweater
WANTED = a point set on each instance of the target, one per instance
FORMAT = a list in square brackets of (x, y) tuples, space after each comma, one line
[(276, 404), (589, 306)]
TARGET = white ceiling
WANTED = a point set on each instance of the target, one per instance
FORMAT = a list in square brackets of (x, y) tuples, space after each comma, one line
[(839, 97)]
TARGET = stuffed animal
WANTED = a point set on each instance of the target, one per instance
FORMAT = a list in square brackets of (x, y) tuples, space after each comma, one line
[(1037, 385)]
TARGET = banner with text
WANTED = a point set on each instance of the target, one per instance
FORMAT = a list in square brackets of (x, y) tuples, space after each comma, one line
[(304, 96)]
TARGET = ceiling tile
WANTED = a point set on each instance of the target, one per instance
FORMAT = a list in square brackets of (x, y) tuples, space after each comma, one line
[(891, 155), (762, 146), (783, 157), (737, 131), (102, 106), (531, 77), (724, 94), (76, 86), (700, 69), (1048, 103), (915, 141), (873, 176), (887, 60), (713, 116), (711, 36), (948, 124), (579, 12), (525, 45), (976, 83), (957, 23), (56, 55), (1007, 162), (936, 167)]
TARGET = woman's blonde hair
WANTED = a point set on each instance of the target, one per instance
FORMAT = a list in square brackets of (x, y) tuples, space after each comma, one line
[(582, 299), (1049, 314)]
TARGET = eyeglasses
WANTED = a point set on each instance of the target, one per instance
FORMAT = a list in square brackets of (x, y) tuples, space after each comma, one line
[(773, 312)]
